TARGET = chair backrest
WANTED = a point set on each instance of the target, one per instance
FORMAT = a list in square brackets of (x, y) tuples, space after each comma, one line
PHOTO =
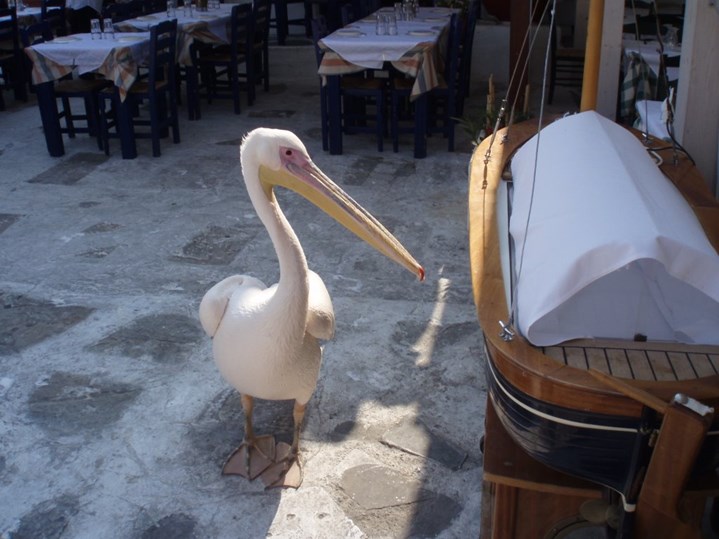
[(33, 34), (467, 43), (118, 12), (163, 43), (451, 58), (136, 8), (241, 31), (347, 14), (319, 30), (261, 22), (54, 12), (9, 29), (363, 8), (154, 6)]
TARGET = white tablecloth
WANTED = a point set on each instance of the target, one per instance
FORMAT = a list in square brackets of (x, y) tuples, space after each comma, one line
[(216, 20), (359, 44), (87, 54), (79, 4)]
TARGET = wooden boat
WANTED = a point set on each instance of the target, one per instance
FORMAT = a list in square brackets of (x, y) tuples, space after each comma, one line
[(608, 411)]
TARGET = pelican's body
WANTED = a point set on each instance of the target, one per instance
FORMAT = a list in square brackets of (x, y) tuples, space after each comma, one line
[(265, 342), (265, 339)]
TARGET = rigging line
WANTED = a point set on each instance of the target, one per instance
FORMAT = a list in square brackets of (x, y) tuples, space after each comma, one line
[(535, 36), (503, 105), (533, 13), (520, 254)]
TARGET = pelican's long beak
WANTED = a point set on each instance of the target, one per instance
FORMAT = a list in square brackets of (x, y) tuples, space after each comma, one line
[(301, 175)]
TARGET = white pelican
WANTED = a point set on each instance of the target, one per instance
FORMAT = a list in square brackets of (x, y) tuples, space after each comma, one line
[(265, 340)]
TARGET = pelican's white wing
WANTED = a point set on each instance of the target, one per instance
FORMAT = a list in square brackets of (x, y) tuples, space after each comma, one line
[(214, 303), (320, 314)]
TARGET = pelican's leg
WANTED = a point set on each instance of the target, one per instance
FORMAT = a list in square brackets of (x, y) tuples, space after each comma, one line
[(255, 454), (287, 471)]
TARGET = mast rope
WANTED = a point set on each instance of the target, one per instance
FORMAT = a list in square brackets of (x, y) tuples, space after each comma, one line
[(506, 332)]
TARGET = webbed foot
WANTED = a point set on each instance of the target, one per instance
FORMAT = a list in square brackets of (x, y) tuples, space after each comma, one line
[(286, 471), (251, 458)]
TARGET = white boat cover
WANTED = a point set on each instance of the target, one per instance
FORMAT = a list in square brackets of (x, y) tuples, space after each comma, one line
[(612, 248)]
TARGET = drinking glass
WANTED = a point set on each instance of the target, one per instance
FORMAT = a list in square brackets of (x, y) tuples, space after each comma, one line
[(95, 30), (391, 25), (381, 25), (170, 9), (108, 29), (187, 8)]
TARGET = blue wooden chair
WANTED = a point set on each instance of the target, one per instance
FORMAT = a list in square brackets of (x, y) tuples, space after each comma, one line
[(357, 92), (219, 67), (159, 89), (11, 57)]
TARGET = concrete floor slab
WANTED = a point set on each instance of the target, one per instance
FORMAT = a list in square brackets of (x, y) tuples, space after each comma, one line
[(115, 421)]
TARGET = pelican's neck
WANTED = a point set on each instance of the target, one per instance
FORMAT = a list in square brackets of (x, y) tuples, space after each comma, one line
[(291, 257)]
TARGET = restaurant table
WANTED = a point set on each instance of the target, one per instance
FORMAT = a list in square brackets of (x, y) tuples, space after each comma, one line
[(211, 26), (115, 59), (416, 50)]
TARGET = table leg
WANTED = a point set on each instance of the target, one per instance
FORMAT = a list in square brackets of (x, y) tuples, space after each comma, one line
[(50, 121), (420, 127), (334, 110), (125, 128)]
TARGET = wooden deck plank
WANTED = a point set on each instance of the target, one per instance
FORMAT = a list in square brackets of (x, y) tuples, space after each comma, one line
[(714, 358), (575, 357), (556, 353), (660, 365), (702, 365), (618, 363), (638, 361), (597, 359), (641, 370), (682, 366)]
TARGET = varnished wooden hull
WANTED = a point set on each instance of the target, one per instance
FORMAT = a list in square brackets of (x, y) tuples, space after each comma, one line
[(554, 409)]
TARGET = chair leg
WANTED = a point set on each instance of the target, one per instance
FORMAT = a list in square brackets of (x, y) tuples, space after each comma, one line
[(155, 125), (324, 119), (394, 122), (380, 122), (175, 120), (103, 130), (266, 68), (67, 112), (233, 77), (251, 80)]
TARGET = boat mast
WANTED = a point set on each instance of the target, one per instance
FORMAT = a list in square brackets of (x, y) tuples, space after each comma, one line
[(592, 55)]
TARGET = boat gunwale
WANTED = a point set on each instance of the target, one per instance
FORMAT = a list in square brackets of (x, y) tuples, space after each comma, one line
[(520, 362)]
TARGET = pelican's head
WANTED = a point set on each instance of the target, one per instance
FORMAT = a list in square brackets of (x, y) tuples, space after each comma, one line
[(281, 159)]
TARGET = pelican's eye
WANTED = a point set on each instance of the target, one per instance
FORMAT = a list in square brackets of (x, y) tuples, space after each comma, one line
[(288, 152)]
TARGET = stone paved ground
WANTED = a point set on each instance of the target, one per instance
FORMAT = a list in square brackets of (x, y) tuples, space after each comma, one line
[(115, 421)]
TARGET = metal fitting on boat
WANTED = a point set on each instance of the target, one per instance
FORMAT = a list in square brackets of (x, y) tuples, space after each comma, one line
[(693, 405)]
